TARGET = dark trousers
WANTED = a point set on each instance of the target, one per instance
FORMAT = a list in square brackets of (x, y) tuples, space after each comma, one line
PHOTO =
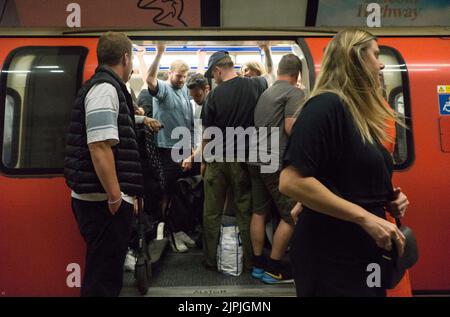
[(107, 239)]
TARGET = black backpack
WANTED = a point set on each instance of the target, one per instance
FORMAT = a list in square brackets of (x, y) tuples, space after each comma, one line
[(186, 205)]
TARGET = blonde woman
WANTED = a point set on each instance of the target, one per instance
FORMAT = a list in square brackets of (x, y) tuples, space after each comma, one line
[(337, 167), (255, 68)]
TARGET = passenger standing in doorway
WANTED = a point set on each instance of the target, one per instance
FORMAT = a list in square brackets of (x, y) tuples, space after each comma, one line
[(102, 166), (276, 108), (337, 167), (171, 106), (230, 105)]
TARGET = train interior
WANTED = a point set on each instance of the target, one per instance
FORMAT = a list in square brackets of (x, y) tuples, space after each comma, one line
[(196, 55), (181, 274)]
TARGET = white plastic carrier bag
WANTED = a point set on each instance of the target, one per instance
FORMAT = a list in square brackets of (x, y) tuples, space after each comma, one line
[(229, 250)]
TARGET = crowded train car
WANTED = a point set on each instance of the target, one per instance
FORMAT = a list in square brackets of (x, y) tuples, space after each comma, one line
[(42, 250)]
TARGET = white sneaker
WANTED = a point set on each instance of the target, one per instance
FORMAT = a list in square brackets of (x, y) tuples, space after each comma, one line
[(160, 231), (130, 262), (181, 235), (179, 246)]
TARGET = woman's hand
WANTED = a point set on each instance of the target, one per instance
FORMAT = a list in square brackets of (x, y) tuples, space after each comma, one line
[(312, 193), (397, 208), (383, 232)]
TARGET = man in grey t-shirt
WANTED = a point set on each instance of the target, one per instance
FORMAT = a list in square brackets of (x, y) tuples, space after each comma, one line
[(277, 108)]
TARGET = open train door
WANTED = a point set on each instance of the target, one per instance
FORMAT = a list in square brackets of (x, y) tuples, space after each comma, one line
[(42, 250)]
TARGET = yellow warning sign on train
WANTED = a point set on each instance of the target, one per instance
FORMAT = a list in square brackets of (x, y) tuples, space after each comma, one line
[(443, 89)]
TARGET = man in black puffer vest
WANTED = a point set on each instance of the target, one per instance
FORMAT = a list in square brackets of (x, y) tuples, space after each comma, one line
[(102, 166)]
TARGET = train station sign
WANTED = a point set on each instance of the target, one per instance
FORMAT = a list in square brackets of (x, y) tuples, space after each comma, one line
[(389, 12), (100, 13), (157, 14)]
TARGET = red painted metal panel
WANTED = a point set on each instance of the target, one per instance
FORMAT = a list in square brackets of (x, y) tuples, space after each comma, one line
[(38, 233), (444, 128)]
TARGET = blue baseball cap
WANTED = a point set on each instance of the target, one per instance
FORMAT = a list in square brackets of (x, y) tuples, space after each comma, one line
[(213, 59)]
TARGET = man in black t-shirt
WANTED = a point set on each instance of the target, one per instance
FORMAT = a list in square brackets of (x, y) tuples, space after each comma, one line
[(229, 106)]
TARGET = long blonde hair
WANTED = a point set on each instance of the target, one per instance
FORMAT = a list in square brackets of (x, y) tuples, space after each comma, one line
[(345, 73), (256, 67)]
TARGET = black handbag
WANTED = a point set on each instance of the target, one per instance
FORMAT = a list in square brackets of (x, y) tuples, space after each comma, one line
[(394, 267)]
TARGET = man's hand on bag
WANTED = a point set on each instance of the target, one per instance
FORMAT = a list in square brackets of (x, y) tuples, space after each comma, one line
[(186, 165), (153, 124), (398, 206)]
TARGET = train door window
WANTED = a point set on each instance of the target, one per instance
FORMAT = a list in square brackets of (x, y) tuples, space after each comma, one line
[(396, 92), (12, 112), (39, 86), (197, 53)]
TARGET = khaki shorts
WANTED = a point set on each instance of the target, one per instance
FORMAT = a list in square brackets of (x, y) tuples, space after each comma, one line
[(265, 191)]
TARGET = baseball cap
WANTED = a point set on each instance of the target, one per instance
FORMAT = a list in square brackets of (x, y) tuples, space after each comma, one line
[(213, 59)]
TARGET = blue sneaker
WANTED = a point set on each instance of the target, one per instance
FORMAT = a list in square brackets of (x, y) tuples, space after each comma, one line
[(257, 272), (278, 278)]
